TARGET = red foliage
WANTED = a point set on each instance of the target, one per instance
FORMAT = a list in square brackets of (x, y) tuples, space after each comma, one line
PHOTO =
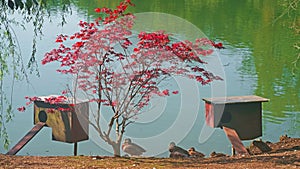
[(165, 92), (175, 92), (21, 109), (116, 72), (217, 45), (98, 10)]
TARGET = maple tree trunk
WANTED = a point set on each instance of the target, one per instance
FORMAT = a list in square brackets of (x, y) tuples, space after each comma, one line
[(117, 149)]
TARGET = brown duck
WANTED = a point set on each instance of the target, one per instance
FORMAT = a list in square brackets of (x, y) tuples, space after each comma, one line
[(177, 152), (214, 154), (194, 153)]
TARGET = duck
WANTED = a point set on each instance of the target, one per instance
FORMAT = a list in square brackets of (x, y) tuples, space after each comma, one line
[(214, 154), (262, 146), (283, 138), (131, 148), (177, 152), (194, 153)]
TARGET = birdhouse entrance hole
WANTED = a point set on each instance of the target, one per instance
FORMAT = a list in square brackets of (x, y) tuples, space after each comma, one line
[(42, 116)]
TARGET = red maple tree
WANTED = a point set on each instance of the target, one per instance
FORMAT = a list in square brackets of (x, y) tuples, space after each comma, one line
[(115, 68)]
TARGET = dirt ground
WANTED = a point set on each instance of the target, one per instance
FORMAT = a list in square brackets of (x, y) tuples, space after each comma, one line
[(283, 154)]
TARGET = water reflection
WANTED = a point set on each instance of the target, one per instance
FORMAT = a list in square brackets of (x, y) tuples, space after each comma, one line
[(257, 60), (248, 27)]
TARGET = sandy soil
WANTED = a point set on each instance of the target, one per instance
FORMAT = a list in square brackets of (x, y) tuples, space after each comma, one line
[(283, 154)]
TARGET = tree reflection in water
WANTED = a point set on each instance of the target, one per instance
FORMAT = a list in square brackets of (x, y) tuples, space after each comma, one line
[(12, 66)]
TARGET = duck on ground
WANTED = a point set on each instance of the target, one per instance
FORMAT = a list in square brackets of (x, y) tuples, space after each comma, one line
[(177, 152), (194, 153), (214, 154), (131, 148)]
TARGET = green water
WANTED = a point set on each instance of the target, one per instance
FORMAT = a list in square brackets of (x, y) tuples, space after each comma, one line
[(252, 27), (259, 42), (257, 61)]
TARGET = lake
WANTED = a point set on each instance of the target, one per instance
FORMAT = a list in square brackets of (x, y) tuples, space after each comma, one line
[(257, 60)]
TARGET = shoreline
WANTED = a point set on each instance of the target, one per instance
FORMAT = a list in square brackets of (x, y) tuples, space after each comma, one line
[(283, 154)]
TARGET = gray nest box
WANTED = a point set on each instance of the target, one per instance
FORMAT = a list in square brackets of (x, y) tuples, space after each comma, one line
[(69, 122), (241, 113)]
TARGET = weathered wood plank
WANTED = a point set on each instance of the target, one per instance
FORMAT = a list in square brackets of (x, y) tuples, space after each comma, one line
[(38, 126), (235, 141), (235, 99)]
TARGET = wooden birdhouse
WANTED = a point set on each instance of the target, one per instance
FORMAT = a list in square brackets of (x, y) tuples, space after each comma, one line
[(69, 122), (241, 113), (239, 116)]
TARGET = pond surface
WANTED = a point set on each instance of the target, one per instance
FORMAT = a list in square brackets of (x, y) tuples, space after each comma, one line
[(257, 61)]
